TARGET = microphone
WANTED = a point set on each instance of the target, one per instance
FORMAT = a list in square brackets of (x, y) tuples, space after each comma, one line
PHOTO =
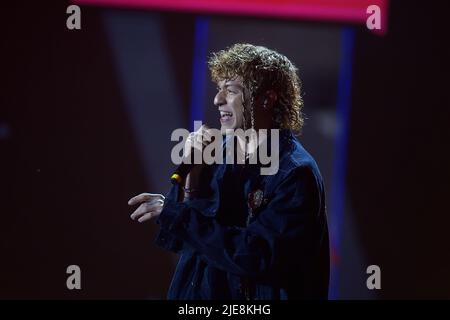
[(181, 173)]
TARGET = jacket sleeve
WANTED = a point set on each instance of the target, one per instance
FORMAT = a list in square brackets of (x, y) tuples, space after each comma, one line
[(283, 234)]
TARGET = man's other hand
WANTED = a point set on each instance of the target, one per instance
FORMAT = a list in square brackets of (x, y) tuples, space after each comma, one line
[(150, 206)]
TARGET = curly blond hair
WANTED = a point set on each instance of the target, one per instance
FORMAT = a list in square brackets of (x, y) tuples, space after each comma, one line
[(262, 69)]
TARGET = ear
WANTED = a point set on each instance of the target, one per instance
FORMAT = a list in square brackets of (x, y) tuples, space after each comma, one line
[(270, 98)]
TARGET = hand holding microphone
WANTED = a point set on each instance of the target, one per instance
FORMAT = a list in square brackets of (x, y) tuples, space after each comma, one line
[(194, 143), (151, 205)]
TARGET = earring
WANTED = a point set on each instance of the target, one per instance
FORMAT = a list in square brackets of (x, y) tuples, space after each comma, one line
[(252, 115), (244, 119)]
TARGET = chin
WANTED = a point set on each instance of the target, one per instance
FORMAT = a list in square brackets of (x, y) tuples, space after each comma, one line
[(224, 127)]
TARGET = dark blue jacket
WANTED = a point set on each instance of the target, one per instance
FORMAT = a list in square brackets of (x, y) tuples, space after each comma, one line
[(279, 250)]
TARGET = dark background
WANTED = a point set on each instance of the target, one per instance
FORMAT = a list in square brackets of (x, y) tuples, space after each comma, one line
[(70, 157)]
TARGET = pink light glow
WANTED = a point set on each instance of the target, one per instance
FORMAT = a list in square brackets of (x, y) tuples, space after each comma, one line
[(349, 11)]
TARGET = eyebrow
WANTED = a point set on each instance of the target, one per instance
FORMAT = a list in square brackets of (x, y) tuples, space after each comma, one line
[(228, 84)]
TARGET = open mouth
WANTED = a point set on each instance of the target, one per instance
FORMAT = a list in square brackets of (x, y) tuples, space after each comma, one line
[(225, 116)]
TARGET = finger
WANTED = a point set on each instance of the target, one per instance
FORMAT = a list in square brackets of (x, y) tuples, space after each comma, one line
[(142, 209), (198, 142), (187, 148), (188, 145), (202, 128), (139, 198), (191, 137), (207, 136), (144, 197), (200, 131), (146, 217), (147, 207), (152, 214)]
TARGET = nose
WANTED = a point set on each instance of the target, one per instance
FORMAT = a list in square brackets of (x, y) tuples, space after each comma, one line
[(219, 99)]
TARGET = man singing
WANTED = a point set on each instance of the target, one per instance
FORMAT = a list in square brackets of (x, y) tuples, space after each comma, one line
[(241, 234)]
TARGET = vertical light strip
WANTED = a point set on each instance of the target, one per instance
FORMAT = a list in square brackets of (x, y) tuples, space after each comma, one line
[(199, 71), (338, 191)]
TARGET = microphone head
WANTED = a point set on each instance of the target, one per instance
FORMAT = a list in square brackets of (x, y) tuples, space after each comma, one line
[(176, 178)]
